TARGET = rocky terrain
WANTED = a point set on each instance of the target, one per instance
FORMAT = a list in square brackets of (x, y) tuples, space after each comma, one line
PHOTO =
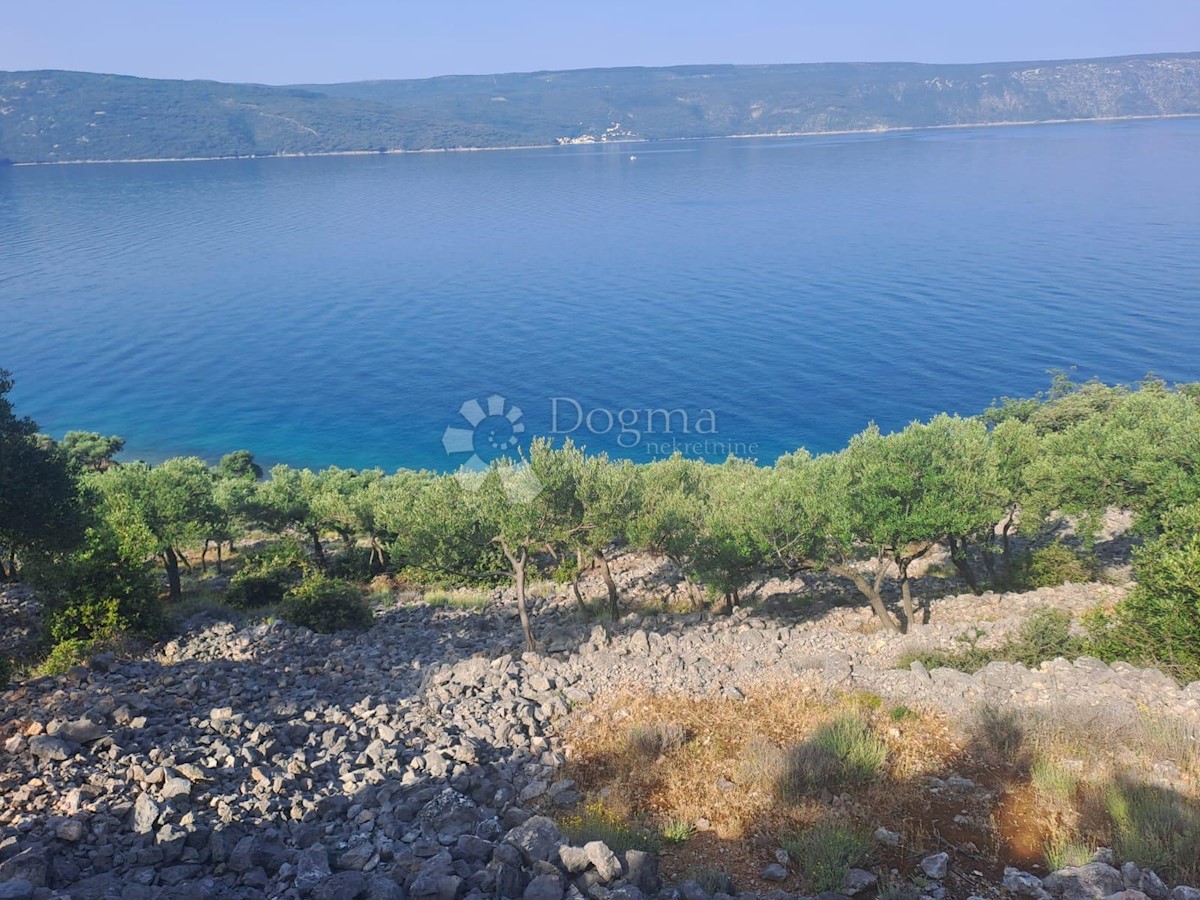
[(419, 759)]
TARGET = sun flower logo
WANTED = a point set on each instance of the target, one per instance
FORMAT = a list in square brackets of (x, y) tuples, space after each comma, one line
[(495, 433)]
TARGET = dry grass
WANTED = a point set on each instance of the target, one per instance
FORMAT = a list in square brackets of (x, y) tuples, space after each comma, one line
[(720, 784), (724, 781)]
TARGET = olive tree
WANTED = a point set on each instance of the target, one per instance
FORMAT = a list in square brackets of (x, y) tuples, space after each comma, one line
[(669, 519), (40, 504), (173, 503), (91, 451)]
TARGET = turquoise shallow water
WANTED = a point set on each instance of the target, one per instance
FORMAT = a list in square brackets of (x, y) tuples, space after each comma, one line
[(341, 310)]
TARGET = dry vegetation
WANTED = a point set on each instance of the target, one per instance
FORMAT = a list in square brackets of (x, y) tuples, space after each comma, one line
[(719, 786)]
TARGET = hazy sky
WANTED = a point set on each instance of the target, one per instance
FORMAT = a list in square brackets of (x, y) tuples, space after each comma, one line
[(289, 41)]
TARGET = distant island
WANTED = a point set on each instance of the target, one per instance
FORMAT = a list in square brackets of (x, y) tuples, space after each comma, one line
[(56, 116)]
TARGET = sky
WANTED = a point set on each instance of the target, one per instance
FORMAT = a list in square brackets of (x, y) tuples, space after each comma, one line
[(313, 41)]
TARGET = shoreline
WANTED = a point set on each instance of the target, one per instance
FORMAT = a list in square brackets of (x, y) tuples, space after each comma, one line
[(899, 129)]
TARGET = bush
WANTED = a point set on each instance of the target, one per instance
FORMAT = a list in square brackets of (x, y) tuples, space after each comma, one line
[(1052, 565), (1157, 828), (826, 852), (1044, 635), (97, 592), (1159, 622), (596, 822), (325, 604), (999, 730), (64, 655), (840, 754), (354, 564), (653, 741), (265, 578), (458, 598), (712, 881)]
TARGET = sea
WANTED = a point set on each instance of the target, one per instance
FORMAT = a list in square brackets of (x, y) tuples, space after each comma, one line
[(718, 297)]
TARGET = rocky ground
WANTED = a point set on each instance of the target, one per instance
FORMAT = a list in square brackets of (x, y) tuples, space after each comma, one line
[(409, 761)]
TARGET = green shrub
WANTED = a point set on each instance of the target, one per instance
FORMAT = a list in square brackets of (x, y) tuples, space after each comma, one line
[(712, 881), (566, 570), (354, 564), (901, 713), (1044, 635), (596, 822), (1062, 851), (97, 592), (678, 831), (1157, 828), (840, 754), (458, 598), (64, 655), (1052, 565), (265, 577), (826, 852), (1158, 623), (325, 604), (1052, 780)]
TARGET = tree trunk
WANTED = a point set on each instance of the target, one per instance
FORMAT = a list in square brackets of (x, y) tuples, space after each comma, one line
[(171, 561), (318, 550), (906, 597), (871, 592), (220, 560), (579, 570), (518, 560), (729, 601), (691, 587), (204, 557), (958, 553), (1004, 536), (614, 600)]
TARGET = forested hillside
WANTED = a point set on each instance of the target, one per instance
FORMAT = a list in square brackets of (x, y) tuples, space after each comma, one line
[(53, 116)]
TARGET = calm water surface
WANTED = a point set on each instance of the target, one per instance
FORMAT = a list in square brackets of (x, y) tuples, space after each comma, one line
[(341, 310)]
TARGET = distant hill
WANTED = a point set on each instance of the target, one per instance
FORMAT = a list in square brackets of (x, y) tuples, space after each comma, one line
[(53, 116)]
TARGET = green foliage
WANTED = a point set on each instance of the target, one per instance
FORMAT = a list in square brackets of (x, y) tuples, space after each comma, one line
[(1136, 449), (326, 605), (92, 451), (40, 504), (101, 590), (901, 713), (459, 598), (239, 464), (713, 881), (1054, 564), (1159, 622), (840, 754), (1043, 636), (826, 852), (1156, 827), (265, 577), (597, 822), (678, 831), (65, 655), (1052, 779), (1062, 851)]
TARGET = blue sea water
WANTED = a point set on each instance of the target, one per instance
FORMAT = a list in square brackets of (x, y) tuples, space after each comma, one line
[(779, 292)]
